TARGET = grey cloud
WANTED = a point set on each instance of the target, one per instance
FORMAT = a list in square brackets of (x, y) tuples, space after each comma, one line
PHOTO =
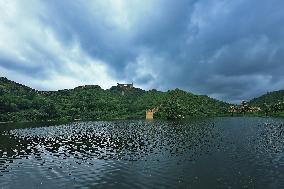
[(230, 50), (244, 42), (75, 21)]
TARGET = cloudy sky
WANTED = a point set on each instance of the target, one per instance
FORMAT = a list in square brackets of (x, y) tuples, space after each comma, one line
[(230, 50)]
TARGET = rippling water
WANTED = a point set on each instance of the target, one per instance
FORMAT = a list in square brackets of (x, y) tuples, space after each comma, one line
[(209, 153)]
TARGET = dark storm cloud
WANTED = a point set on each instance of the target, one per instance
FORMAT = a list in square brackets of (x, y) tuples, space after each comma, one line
[(230, 50)]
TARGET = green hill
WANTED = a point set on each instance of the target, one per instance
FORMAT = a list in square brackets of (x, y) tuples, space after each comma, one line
[(272, 103), (91, 102), (19, 102), (269, 98)]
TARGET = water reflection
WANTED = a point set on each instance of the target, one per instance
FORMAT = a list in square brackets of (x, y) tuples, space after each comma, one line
[(125, 140), (135, 154)]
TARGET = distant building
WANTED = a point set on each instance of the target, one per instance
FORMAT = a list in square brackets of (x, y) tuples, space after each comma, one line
[(244, 103), (243, 108), (125, 86)]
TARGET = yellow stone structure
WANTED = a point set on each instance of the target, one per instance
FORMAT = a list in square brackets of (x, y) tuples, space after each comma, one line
[(150, 113)]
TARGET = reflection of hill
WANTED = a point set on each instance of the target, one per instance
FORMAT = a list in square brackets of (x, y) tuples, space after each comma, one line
[(129, 140)]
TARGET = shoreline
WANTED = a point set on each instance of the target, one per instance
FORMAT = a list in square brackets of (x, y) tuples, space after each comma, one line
[(189, 118)]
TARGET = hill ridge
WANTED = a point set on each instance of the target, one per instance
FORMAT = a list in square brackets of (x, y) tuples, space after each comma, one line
[(90, 102)]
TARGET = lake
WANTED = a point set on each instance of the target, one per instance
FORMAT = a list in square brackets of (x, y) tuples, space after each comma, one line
[(235, 152)]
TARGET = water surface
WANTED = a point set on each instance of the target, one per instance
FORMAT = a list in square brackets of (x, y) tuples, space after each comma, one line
[(208, 153)]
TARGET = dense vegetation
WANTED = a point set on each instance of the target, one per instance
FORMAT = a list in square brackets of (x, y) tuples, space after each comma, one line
[(91, 102), (271, 103), (268, 98)]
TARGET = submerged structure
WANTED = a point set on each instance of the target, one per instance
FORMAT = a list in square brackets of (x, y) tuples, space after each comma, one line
[(150, 113)]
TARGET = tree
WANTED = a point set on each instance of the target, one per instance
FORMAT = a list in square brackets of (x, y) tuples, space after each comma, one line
[(49, 111), (266, 109), (174, 108)]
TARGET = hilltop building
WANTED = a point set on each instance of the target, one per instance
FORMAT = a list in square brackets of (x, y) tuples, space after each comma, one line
[(125, 86)]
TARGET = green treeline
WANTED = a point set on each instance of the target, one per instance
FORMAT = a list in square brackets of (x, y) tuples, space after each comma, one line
[(271, 103), (91, 102), (21, 103)]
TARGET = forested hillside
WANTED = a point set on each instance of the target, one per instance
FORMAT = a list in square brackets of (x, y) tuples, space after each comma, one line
[(91, 102), (271, 103), (269, 98)]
